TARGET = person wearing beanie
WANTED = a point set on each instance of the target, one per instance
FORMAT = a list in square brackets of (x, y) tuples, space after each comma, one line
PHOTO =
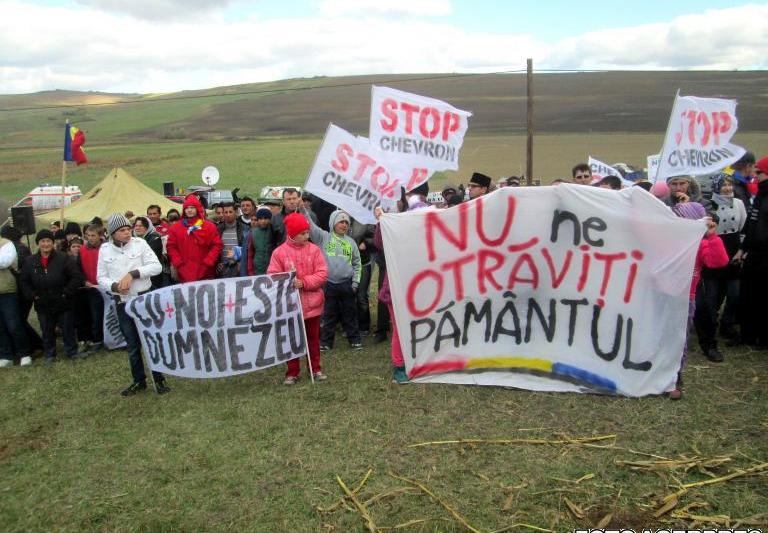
[(753, 254), (72, 230), (711, 254), (13, 338), (299, 255), (258, 244), (125, 268), (344, 271), (50, 279), (684, 189), (479, 185), (744, 183), (194, 245)]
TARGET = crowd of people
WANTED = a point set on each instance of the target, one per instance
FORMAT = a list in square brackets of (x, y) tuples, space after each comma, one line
[(333, 256)]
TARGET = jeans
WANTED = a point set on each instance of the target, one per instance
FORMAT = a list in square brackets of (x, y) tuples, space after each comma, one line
[(340, 304), (133, 347), (13, 338), (363, 302), (96, 306), (66, 322)]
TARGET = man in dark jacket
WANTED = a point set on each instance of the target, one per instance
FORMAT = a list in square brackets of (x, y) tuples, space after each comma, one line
[(50, 279), (232, 233), (291, 204), (742, 176)]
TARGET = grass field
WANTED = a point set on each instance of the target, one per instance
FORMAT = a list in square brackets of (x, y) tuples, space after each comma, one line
[(248, 454)]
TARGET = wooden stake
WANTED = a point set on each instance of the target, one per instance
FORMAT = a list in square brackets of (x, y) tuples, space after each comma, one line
[(529, 114)]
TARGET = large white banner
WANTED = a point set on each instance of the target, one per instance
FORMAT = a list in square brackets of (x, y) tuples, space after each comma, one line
[(423, 133), (113, 337), (698, 137), (219, 328), (349, 173), (564, 288), (600, 170)]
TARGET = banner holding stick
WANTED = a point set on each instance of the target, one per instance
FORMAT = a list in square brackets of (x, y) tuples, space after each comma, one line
[(220, 328)]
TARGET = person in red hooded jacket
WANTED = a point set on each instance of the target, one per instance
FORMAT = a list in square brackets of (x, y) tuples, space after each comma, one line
[(194, 245)]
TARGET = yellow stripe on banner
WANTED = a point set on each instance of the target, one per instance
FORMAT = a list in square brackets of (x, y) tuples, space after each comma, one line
[(510, 362)]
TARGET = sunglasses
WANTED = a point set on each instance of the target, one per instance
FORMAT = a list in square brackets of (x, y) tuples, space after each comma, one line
[(582, 176)]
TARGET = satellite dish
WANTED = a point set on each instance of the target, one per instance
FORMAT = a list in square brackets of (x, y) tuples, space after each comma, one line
[(210, 176)]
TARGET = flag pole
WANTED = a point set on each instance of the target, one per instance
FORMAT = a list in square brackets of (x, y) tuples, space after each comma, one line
[(666, 134), (63, 181)]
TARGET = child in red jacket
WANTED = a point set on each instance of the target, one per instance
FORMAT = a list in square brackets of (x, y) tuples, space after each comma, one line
[(300, 255)]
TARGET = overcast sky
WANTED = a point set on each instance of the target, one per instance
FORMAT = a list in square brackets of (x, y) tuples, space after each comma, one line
[(153, 46)]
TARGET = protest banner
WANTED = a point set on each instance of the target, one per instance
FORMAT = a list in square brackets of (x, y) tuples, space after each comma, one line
[(563, 288), (219, 328), (698, 137), (113, 337), (422, 132), (349, 173), (652, 163), (600, 170)]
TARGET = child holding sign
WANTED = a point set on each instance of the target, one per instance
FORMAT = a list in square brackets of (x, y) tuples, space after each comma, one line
[(299, 255)]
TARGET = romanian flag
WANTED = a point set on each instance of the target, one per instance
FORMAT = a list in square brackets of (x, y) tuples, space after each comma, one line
[(74, 139)]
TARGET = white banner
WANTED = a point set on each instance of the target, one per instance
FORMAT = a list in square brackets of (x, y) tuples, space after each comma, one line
[(219, 328), (564, 288), (600, 170), (698, 137), (424, 133), (652, 163), (113, 337), (350, 174)]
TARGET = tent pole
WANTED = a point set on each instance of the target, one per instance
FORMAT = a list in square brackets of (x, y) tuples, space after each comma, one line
[(63, 187)]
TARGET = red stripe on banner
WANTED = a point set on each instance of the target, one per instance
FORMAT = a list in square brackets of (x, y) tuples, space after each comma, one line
[(438, 367)]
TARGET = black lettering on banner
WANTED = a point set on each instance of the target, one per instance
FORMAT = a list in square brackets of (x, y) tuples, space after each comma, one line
[(597, 224), (171, 364), (611, 355), (217, 349), (471, 313), (296, 336), (188, 345), (574, 305), (414, 326), (454, 333), (328, 178), (151, 345), (113, 324), (235, 348), (220, 288), (547, 325), (280, 338), (205, 298), (292, 296), (645, 366), (185, 308), (133, 305), (560, 217), (265, 330), (154, 309), (282, 280), (259, 317), (240, 301), (499, 329), (172, 350)]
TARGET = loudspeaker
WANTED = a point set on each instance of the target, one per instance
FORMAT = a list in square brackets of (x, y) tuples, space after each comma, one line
[(23, 219), (168, 189)]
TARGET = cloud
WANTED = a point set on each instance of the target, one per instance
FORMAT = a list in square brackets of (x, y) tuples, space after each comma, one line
[(39, 49), (391, 7), (159, 9)]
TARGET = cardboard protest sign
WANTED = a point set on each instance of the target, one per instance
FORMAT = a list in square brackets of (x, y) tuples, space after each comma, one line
[(113, 337), (563, 288), (349, 173), (652, 162), (219, 328), (600, 170), (698, 137), (422, 132)]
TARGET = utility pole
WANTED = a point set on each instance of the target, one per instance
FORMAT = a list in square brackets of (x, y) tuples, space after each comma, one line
[(529, 145)]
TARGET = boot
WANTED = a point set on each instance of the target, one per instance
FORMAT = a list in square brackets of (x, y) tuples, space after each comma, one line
[(713, 354)]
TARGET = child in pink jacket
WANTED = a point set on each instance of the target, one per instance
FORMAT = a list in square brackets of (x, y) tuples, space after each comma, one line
[(711, 254), (298, 254)]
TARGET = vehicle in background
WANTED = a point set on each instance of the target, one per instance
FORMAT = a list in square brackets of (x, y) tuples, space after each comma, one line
[(207, 195), (275, 192), (47, 197)]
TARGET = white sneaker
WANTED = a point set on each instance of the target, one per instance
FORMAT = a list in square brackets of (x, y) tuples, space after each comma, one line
[(6, 363), (26, 361)]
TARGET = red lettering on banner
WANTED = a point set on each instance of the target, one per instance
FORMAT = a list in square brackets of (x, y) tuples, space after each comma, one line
[(451, 123), (703, 119), (514, 248), (343, 151), (514, 276), (409, 109), (510, 216), (365, 162), (609, 260), (458, 280), (557, 278), (584, 268), (712, 126), (388, 107), (484, 272), (434, 222), (418, 176), (426, 113), (722, 123), (637, 255), (414, 284)]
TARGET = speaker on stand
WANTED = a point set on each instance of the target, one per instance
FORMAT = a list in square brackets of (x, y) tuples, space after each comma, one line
[(168, 189), (24, 220)]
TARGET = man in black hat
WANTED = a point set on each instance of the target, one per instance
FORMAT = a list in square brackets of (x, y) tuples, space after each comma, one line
[(478, 185)]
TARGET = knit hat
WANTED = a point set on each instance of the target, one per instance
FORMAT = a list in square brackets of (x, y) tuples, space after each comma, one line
[(115, 222), (336, 217), (43, 234), (422, 189), (263, 212), (59, 235), (295, 223), (73, 228), (762, 165), (690, 210)]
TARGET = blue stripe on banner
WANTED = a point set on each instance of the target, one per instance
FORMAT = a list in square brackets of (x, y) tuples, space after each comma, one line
[(67, 143), (584, 375)]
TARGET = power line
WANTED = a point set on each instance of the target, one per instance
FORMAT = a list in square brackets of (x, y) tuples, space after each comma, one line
[(262, 91)]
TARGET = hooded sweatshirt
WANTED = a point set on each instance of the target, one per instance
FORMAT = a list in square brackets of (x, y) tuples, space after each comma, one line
[(194, 244), (340, 251)]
